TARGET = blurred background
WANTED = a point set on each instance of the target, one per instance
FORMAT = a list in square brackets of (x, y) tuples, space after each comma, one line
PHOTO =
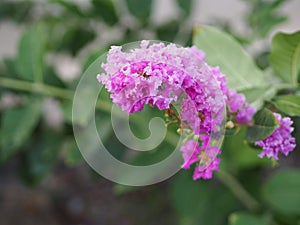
[(46, 45)]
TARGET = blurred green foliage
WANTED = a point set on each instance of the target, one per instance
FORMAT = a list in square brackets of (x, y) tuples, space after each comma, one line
[(60, 27)]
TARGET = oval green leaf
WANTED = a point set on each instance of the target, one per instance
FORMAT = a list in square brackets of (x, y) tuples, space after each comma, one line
[(140, 9), (264, 125), (222, 50), (285, 56), (17, 125), (289, 104), (105, 9), (282, 191), (30, 59)]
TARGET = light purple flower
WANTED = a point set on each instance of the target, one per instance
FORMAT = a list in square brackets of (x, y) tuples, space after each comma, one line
[(280, 140)]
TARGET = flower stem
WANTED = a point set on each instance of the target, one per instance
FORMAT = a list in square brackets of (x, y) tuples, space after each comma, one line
[(38, 88), (239, 191)]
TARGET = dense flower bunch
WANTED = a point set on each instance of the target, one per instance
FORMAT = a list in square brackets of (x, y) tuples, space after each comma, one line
[(166, 75)]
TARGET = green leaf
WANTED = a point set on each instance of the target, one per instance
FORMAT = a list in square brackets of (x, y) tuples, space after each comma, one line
[(285, 56), (93, 56), (168, 31), (10, 68), (66, 107), (289, 104), (70, 6), (105, 10), (31, 51), (186, 6), (257, 96), (40, 158), (51, 77), (281, 191), (244, 218), (262, 60), (140, 9), (267, 11), (237, 154), (19, 11), (200, 202), (17, 126), (73, 156), (223, 51), (264, 125), (75, 38)]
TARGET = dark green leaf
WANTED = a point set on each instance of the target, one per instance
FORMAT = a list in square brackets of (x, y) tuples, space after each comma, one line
[(289, 104), (70, 6), (268, 12), (244, 218), (140, 9), (38, 160), (17, 125), (262, 60), (105, 10), (238, 154), (285, 56), (19, 11), (186, 6), (93, 56), (66, 107), (168, 31), (223, 51), (10, 68), (264, 125), (281, 191), (31, 51), (51, 77), (76, 38), (201, 202), (73, 156)]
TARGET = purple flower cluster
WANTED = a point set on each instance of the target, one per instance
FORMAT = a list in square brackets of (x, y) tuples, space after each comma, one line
[(240, 111), (280, 140), (204, 156), (161, 75), (238, 106)]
